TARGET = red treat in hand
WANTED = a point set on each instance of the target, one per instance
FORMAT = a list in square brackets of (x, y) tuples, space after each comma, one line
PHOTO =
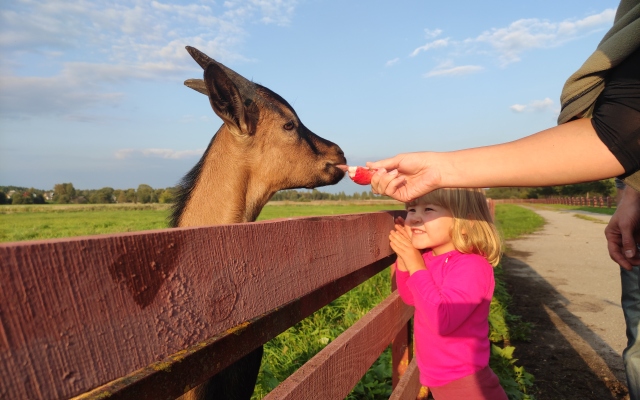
[(361, 175)]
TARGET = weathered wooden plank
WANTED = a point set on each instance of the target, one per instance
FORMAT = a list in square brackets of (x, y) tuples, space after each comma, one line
[(409, 385), (78, 313), (171, 377), (401, 345), (332, 373)]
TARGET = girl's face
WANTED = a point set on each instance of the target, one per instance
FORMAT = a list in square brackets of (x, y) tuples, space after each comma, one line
[(430, 227)]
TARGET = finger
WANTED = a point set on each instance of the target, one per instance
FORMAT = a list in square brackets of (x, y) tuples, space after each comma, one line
[(396, 187), (403, 231), (376, 186), (387, 163), (616, 255), (629, 245), (400, 242)]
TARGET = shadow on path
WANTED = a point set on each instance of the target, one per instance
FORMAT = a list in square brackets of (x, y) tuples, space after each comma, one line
[(568, 360)]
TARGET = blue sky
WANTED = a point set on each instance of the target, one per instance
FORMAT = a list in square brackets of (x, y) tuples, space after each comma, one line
[(91, 92)]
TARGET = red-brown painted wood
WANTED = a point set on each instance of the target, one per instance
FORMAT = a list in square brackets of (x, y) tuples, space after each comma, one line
[(80, 312), (409, 385), (333, 372), (401, 345), (173, 376)]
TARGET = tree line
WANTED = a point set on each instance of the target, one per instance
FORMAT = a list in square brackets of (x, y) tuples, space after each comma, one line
[(66, 193), (602, 188)]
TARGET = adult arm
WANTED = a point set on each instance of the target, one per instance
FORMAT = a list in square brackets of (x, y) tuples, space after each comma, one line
[(623, 230), (565, 154)]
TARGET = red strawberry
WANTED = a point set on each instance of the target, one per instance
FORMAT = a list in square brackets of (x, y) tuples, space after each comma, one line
[(361, 175)]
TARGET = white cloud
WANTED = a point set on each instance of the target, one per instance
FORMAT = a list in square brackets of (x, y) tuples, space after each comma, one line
[(158, 153), (432, 33), (90, 46), (60, 95), (508, 44), (431, 45), (448, 69), (545, 104), (526, 34), (542, 105), (391, 62)]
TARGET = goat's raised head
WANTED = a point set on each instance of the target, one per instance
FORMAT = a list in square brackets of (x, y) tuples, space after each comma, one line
[(280, 151)]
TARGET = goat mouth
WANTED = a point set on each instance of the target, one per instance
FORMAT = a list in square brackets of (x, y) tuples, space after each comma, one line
[(334, 172)]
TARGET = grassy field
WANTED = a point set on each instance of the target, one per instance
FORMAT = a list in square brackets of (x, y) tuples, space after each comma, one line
[(32, 222), (560, 207), (293, 348)]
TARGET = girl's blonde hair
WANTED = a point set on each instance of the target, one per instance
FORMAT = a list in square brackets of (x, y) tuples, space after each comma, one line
[(473, 231)]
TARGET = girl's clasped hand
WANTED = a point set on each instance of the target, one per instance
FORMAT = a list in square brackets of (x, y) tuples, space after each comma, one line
[(409, 258)]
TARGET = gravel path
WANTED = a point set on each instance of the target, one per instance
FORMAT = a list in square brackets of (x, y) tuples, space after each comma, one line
[(562, 280)]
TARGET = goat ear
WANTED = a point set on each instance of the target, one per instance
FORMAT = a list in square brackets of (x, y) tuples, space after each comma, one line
[(227, 102)]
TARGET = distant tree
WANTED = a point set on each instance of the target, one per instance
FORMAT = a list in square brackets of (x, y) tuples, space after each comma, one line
[(80, 200), (130, 195), (157, 193), (144, 194), (38, 198), (168, 195), (102, 196), (596, 188), (22, 198), (64, 193), (507, 193), (3, 198)]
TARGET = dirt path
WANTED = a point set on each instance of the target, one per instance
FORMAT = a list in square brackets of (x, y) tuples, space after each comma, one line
[(562, 280)]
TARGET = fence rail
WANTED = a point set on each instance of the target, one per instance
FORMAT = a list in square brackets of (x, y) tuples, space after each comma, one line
[(593, 201), (141, 315)]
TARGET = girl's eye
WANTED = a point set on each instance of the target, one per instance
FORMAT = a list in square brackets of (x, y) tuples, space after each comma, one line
[(288, 126), (428, 209), (411, 210)]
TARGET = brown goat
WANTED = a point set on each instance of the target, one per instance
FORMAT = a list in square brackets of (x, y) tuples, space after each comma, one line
[(261, 148)]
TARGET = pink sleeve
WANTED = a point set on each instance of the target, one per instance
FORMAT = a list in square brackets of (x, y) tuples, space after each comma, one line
[(463, 288), (403, 289)]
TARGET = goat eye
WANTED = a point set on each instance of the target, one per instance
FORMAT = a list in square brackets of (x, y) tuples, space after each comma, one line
[(288, 126)]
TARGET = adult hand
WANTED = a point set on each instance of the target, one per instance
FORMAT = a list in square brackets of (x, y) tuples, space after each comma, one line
[(406, 176), (623, 230), (409, 258)]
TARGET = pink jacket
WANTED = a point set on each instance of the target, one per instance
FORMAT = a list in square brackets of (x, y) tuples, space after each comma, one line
[(451, 326)]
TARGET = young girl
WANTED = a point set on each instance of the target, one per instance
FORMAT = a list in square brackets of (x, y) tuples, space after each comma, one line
[(446, 248)]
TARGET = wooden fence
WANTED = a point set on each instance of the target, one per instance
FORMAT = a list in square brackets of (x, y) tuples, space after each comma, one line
[(142, 315), (594, 201)]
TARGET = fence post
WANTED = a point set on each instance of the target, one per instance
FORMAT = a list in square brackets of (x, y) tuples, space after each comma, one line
[(401, 345)]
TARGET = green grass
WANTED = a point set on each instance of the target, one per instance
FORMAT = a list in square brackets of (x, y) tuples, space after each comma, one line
[(19, 223), (291, 210), (513, 221), (561, 207), (287, 352)]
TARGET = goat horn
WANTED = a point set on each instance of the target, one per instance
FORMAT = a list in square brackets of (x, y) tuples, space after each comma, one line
[(246, 87), (197, 85)]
